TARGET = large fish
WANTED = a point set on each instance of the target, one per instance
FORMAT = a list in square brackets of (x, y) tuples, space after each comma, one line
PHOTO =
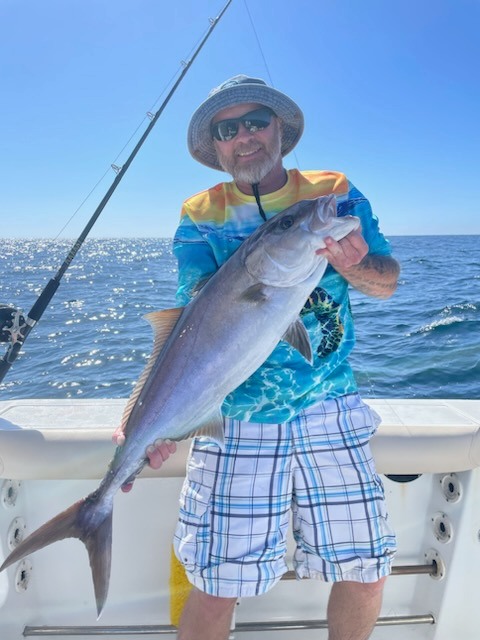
[(200, 354)]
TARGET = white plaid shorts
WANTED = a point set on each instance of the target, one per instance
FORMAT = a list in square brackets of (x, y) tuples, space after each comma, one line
[(235, 504)]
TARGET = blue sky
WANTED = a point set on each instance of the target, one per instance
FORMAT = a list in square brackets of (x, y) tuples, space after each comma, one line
[(389, 89)]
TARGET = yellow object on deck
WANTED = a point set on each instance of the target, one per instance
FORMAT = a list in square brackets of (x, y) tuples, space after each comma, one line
[(180, 588)]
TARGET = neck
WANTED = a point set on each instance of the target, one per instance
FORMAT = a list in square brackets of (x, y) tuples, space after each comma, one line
[(273, 181)]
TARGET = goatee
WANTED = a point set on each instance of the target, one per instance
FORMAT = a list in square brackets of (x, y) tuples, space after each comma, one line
[(256, 170)]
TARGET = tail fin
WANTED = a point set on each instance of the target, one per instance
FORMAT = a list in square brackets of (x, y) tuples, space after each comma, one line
[(75, 523), (99, 547)]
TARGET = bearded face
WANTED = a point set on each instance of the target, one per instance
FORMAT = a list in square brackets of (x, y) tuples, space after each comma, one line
[(251, 160), (250, 155)]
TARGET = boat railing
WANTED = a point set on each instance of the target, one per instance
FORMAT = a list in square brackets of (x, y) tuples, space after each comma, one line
[(48, 439)]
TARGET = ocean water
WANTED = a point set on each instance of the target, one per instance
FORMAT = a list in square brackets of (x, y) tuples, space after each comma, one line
[(93, 343)]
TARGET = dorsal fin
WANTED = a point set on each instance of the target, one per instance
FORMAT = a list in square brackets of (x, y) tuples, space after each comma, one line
[(162, 323)]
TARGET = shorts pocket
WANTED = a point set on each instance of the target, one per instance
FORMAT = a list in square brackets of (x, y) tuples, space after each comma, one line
[(362, 422), (194, 500), (192, 536), (376, 420)]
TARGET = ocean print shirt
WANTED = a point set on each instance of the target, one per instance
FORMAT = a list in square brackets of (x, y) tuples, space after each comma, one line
[(213, 225)]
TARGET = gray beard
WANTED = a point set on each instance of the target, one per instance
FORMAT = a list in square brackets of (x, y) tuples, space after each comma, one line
[(254, 173)]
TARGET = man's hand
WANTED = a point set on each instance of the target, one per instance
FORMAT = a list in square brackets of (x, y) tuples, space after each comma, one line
[(156, 453), (372, 274), (347, 252)]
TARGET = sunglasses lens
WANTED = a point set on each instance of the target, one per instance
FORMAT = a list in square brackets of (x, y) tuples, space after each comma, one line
[(225, 130), (253, 121), (256, 123)]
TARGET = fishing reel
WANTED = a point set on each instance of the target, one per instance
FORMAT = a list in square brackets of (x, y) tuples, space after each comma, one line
[(12, 324)]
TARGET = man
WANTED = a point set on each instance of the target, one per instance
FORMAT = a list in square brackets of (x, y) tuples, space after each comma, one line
[(296, 435)]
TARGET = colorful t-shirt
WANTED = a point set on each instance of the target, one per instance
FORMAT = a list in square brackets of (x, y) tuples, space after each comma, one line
[(213, 225)]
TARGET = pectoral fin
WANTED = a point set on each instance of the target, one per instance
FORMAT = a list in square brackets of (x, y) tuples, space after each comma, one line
[(297, 336), (255, 293), (212, 427)]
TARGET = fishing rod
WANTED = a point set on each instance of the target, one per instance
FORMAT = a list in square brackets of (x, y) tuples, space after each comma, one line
[(14, 326)]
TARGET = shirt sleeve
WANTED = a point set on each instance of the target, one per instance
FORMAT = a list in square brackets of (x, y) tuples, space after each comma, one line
[(357, 204), (195, 258)]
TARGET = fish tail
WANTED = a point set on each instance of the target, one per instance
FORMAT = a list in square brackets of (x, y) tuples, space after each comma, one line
[(99, 547), (76, 522)]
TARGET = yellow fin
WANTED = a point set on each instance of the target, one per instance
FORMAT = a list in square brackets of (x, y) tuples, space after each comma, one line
[(162, 323)]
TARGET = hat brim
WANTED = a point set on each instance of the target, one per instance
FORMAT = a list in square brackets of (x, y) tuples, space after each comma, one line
[(200, 143)]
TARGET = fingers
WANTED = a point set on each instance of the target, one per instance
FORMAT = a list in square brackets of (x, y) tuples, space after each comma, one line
[(158, 452), (118, 437), (127, 487), (345, 253), (355, 244), (171, 446)]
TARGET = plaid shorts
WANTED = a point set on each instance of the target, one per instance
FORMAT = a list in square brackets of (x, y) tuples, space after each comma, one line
[(235, 504)]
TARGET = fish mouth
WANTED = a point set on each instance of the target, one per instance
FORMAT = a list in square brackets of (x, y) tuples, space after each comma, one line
[(325, 222), (323, 215)]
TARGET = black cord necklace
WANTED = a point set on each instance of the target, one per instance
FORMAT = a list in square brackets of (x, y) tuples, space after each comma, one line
[(257, 198)]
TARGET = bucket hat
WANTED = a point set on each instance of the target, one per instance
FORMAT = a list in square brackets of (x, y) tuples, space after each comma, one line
[(237, 90)]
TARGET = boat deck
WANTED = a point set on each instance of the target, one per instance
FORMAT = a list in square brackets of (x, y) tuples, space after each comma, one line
[(53, 452)]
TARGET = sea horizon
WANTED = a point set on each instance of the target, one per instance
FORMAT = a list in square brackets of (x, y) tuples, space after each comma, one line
[(92, 341), (123, 237)]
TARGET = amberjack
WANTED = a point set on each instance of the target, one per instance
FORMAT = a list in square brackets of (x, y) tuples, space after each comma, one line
[(201, 353)]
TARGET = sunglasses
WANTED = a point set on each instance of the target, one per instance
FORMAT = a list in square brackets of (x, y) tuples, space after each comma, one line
[(253, 121)]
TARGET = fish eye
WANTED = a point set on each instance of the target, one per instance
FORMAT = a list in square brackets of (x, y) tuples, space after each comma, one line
[(286, 223)]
